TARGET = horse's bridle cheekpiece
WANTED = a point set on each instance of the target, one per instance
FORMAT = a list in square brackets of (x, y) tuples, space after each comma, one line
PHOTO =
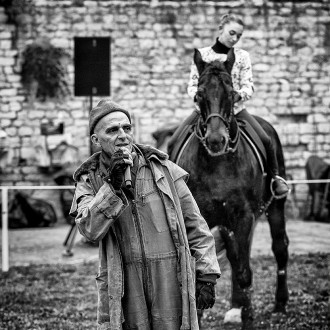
[(201, 124)]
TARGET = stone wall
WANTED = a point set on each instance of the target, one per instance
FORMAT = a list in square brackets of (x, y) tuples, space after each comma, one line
[(151, 50)]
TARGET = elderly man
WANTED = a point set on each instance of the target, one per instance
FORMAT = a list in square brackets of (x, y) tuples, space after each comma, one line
[(153, 241)]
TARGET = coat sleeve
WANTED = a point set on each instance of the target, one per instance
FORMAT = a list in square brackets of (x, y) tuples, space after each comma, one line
[(246, 88), (200, 239), (193, 81), (95, 213)]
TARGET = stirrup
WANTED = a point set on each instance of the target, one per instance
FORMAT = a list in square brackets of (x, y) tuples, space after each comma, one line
[(272, 190)]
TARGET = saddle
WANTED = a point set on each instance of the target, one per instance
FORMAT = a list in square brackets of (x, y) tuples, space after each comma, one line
[(186, 129), (250, 135)]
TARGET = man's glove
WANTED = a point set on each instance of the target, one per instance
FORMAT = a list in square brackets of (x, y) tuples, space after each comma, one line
[(205, 295), (116, 171)]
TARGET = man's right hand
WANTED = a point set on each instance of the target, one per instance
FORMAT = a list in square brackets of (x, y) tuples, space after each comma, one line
[(118, 163)]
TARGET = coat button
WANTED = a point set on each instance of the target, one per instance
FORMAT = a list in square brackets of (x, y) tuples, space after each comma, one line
[(111, 297)]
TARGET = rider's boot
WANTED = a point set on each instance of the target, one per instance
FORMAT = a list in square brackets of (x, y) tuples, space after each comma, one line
[(279, 187)]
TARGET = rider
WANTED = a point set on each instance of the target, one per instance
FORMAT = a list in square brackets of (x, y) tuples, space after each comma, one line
[(230, 31)]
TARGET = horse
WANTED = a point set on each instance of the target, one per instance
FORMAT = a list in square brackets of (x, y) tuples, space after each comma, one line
[(230, 186), (318, 193)]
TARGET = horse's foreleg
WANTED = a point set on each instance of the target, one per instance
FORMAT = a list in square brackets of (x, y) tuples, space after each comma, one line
[(275, 216), (238, 251)]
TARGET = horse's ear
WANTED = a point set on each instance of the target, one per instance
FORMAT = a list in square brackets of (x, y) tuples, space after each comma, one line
[(200, 64), (230, 60)]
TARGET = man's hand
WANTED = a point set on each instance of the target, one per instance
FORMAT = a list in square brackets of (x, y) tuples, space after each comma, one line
[(118, 163), (205, 295)]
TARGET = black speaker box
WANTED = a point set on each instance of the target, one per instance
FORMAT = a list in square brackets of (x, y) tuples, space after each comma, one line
[(92, 66)]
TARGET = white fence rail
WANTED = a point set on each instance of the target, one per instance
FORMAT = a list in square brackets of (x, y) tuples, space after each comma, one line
[(4, 216)]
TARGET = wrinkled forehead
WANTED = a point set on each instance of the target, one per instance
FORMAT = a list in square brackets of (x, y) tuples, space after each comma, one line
[(112, 119)]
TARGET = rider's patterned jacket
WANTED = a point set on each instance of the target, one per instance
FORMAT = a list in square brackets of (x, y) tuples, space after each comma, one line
[(241, 74)]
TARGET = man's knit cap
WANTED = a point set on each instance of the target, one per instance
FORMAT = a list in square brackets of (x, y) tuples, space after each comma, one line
[(103, 108)]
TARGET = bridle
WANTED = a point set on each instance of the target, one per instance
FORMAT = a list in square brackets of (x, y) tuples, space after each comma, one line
[(201, 124)]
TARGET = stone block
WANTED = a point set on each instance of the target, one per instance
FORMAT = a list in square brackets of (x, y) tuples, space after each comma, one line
[(8, 115), (5, 35), (76, 104), (8, 91), (5, 122), (261, 67), (15, 106), (28, 153), (317, 118), (5, 61), (25, 131), (61, 42), (323, 128), (319, 138), (300, 110), (321, 87), (33, 114), (29, 170), (306, 138), (306, 128), (11, 131)]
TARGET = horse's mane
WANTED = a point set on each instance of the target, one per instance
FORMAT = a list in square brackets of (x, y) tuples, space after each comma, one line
[(214, 68)]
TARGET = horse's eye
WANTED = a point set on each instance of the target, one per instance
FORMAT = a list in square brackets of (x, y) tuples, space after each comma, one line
[(198, 95)]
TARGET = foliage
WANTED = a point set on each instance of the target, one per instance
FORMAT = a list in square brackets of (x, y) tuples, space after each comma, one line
[(64, 297), (43, 70), (14, 9)]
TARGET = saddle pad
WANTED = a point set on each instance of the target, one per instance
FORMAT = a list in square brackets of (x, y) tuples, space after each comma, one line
[(254, 139)]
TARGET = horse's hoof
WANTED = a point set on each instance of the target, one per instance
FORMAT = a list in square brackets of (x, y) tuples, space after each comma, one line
[(233, 316), (67, 253)]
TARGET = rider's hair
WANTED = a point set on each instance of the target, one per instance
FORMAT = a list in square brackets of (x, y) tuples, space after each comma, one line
[(229, 18)]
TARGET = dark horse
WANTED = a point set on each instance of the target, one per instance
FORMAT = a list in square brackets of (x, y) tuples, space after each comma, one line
[(229, 185), (319, 193)]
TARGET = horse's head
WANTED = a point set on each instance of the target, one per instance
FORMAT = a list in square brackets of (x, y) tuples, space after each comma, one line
[(215, 99)]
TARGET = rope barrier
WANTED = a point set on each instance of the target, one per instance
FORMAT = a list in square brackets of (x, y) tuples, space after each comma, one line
[(308, 181)]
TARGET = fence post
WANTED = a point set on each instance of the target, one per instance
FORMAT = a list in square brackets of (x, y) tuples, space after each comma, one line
[(5, 247)]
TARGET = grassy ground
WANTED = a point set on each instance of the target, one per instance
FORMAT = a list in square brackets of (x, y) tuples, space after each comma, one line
[(64, 297)]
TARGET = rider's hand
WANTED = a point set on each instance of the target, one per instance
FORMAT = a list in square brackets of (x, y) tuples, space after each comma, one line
[(236, 97)]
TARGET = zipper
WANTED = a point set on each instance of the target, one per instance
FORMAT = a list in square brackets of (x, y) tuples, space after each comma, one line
[(144, 257), (144, 196), (122, 264)]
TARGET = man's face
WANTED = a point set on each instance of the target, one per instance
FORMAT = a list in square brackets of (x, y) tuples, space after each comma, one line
[(113, 132), (230, 34)]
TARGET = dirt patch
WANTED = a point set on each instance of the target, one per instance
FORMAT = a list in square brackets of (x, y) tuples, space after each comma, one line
[(47, 297)]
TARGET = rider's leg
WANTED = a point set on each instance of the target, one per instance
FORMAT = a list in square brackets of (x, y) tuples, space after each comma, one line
[(280, 187), (180, 130)]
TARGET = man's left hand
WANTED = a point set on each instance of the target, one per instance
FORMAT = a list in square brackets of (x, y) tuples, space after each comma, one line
[(205, 295)]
